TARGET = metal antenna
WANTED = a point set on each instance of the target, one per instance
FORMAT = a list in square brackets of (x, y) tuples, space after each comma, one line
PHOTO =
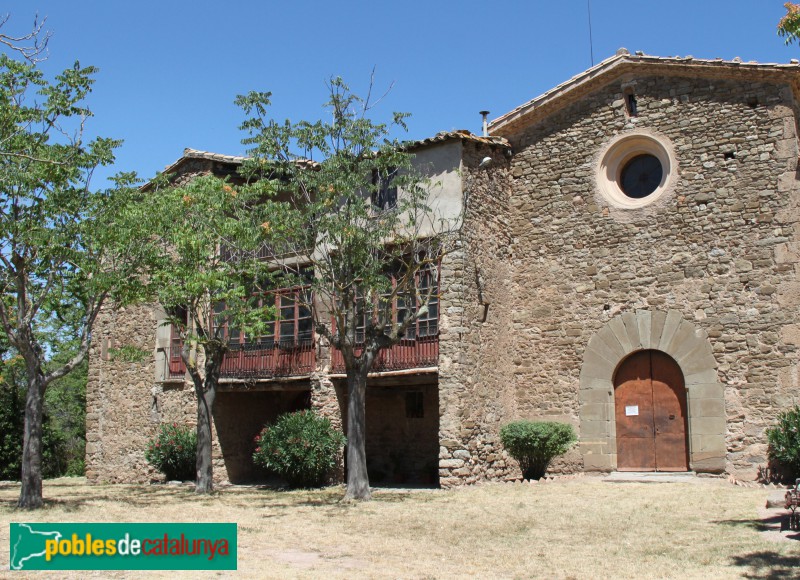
[(591, 45)]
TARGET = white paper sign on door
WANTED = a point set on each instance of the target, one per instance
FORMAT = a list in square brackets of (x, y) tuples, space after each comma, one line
[(631, 410)]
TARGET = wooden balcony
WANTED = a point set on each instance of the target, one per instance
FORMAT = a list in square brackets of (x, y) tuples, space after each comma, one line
[(257, 360), (254, 360), (421, 352)]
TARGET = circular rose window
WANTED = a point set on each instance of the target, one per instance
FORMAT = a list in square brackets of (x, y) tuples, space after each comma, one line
[(635, 170)]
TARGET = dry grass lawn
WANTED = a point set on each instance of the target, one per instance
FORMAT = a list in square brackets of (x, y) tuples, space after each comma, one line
[(580, 528)]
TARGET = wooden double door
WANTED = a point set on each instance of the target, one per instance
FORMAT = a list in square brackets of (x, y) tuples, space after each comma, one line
[(651, 417)]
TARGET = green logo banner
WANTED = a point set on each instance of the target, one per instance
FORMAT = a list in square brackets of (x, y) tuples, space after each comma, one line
[(84, 546)]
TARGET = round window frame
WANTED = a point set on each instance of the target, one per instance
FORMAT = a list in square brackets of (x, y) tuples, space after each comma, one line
[(619, 152)]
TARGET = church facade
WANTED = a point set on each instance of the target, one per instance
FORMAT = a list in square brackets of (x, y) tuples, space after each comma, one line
[(629, 265)]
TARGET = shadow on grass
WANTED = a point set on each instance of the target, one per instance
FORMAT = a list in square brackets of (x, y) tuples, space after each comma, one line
[(267, 499), (775, 523), (757, 524), (70, 496), (69, 500), (768, 565)]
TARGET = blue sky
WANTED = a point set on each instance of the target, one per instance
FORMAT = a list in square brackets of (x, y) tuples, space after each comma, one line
[(170, 70)]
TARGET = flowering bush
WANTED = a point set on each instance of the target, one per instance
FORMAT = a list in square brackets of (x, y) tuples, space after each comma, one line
[(300, 447), (173, 452)]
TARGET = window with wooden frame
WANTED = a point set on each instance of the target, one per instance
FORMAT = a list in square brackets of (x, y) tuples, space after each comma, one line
[(293, 326), (405, 305), (177, 368), (384, 192)]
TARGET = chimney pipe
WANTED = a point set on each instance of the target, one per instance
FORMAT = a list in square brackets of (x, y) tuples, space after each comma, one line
[(485, 114)]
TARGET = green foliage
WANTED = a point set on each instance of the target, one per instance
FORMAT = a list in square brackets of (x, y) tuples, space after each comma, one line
[(535, 443), (202, 242), (784, 443), (129, 353), (173, 452), (65, 252), (350, 198), (65, 405), (12, 411), (331, 173), (300, 447), (60, 229), (204, 257), (789, 25)]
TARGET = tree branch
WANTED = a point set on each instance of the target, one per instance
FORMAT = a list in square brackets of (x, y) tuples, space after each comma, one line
[(30, 46)]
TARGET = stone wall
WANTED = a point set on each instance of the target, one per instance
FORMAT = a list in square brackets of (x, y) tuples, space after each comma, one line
[(127, 401), (547, 264), (121, 403), (476, 342), (720, 248)]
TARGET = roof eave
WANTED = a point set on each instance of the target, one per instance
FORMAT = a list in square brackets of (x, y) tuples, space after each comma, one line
[(613, 67)]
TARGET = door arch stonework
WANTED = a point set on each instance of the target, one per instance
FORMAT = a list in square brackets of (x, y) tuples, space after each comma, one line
[(684, 342)]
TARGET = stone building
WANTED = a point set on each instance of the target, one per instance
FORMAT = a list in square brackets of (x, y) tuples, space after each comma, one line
[(628, 265)]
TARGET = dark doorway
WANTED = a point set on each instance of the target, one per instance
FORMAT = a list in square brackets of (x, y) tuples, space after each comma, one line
[(650, 411), (240, 416), (402, 435)]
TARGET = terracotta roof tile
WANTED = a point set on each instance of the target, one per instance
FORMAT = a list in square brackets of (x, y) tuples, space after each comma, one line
[(463, 135)]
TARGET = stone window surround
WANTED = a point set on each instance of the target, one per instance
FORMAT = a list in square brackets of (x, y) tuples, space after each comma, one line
[(621, 149), (685, 342)]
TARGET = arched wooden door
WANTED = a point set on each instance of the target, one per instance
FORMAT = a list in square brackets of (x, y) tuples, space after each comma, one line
[(651, 417)]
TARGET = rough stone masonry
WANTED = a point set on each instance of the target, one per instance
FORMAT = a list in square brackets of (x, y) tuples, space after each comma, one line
[(556, 284)]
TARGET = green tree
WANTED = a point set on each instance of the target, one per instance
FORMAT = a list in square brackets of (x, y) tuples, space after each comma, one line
[(206, 273), (352, 206), (789, 25), (12, 413), (61, 254), (65, 408)]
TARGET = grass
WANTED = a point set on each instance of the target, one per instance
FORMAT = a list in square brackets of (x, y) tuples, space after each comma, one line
[(578, 528)]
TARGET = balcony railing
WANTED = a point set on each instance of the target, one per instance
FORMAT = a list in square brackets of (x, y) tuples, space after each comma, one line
[(257, 360), (407, 354), (176, 367), (254, 360)]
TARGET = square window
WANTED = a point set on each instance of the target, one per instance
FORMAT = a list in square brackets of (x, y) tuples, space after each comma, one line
[(384, 193), (415, 405)]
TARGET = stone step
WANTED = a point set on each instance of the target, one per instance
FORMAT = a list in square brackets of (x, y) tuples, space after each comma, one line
[(653, 477)]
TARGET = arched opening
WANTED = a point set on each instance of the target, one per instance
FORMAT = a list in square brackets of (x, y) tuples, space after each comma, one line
[(651, 413)]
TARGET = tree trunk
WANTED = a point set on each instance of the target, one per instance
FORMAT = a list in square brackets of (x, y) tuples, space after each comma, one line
[(30, 496), (357, 477), (205, 468)]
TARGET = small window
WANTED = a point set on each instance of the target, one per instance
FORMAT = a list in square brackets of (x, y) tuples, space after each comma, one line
[(415, 408), (384, 193), (630, 104)]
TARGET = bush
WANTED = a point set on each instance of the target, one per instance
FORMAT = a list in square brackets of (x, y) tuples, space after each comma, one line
[(535, 443), (300, 447), (174, 452), (784, 443)]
